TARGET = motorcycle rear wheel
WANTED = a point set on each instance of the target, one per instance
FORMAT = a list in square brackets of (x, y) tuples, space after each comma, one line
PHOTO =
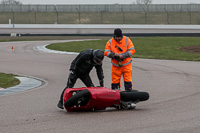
[(72, 101)]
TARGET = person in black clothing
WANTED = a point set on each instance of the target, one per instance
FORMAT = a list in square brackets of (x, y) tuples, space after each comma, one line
[(81, 67)]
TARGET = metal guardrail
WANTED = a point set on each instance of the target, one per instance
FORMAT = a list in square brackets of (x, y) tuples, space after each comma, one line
[(98, 30)]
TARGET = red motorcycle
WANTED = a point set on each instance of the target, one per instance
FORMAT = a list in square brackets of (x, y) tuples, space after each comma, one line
[(99, 98)]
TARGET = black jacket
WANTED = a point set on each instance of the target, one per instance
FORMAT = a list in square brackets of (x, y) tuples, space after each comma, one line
[(84, 63)]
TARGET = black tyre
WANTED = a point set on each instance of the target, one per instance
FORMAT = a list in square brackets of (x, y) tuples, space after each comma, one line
[(81, 98), (134, 96)]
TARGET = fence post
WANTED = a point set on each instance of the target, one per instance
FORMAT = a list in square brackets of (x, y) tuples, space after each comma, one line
[(56, 13), (13, 18), (190, 15), (78, 15), (34, 15), (145, 15), (123, 16), (101, 16), (3, 8), (20, 8), (167, 15)]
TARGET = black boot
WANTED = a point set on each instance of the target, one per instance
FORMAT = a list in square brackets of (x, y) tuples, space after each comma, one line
[(60, 105), (115, 86)]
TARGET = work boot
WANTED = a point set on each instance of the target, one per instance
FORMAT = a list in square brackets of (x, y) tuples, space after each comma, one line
[(60, 105)]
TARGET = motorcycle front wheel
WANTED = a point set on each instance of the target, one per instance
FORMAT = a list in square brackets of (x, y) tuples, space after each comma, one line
[(134, 96)]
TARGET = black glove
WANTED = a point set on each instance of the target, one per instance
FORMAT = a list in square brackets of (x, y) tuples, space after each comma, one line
[(111, 55), (127, 54), (101, 83), (71, 72)]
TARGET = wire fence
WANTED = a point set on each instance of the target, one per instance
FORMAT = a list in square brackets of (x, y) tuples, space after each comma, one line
[(108, 8), (101, 14)]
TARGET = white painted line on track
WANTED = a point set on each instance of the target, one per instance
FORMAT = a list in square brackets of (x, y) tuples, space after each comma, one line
[(42, 48), (26, 84)]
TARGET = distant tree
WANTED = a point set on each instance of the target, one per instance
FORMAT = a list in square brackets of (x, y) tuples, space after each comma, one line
[(145, 2), (10, 2)]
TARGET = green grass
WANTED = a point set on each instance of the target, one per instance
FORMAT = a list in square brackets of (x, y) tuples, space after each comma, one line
[(146, 47), (78, 46), (8, 80), (166, 48), (43, 38)]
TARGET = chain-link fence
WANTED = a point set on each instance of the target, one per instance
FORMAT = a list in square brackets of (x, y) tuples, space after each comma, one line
[(101, 14)]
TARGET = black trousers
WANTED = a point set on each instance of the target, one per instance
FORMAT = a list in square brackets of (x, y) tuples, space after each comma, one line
[(73, 76), (127, 85)]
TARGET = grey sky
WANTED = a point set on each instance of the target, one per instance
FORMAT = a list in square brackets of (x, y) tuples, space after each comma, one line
[(56, 2)]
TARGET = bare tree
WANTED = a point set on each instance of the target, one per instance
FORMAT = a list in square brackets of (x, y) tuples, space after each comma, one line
[(145, 2), (10, 2)]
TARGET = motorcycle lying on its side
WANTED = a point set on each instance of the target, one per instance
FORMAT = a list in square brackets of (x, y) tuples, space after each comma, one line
[(99, 98)]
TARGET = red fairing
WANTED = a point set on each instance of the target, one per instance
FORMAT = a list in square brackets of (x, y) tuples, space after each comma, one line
[(101, 97)]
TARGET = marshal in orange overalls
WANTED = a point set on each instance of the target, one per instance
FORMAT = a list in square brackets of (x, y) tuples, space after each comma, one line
[(120, 66)]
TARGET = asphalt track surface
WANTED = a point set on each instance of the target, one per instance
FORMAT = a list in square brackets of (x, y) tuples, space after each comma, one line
[(173, 107)]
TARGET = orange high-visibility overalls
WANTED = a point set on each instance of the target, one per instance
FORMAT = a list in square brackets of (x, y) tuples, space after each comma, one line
[(121, 66)]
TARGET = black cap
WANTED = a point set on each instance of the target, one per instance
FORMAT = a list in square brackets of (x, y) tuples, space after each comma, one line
[(118, 33)]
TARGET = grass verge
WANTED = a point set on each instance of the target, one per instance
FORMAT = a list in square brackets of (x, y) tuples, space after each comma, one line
[(104, 17), (146, 47), (43, 38), (8, 80)]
